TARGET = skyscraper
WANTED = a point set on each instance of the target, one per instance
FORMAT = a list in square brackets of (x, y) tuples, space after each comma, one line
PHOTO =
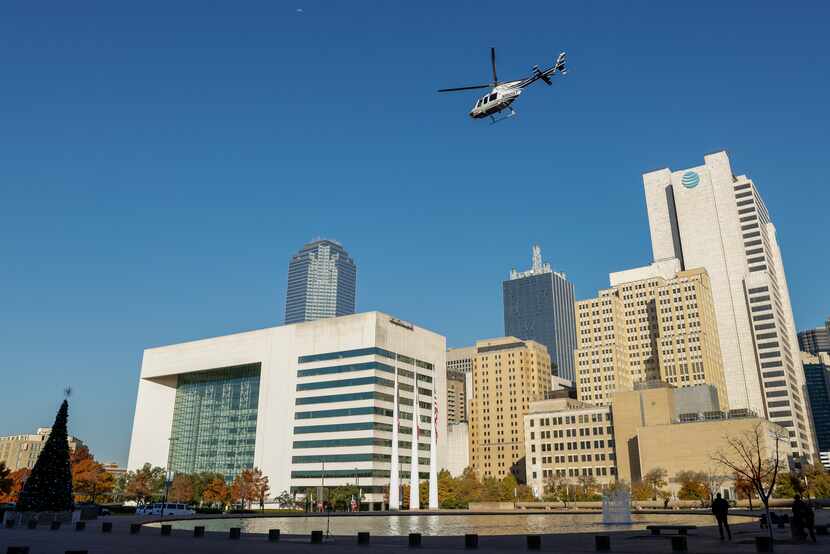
[(707, 217), (539, 306), (322, 279), (508, 374), (817, 373), (815, 340)]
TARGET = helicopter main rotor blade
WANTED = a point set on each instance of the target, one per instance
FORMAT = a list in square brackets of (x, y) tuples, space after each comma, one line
[(472, 87), (493, 62)]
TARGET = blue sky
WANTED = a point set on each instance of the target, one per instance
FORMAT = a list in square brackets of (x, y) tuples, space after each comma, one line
[(160, 162)]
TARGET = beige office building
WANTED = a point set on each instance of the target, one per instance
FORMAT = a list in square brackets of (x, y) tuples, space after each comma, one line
[(22, 451), (461, 359), (508, 374), (668, 332), (601, 356), (456, 397), (568, 439)]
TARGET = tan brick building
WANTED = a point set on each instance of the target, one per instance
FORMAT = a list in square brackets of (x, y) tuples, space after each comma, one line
[(508, 374), (456, 397), (601, 356), (649, 327), (21, 451)]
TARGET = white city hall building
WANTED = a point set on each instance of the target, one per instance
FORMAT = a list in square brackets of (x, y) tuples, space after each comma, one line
[(708, 217), (310, 404)]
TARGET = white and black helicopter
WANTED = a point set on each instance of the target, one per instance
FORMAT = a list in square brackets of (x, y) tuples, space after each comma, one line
[(502, 95)]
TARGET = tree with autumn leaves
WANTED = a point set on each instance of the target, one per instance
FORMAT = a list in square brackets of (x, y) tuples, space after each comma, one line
[(90, 480)]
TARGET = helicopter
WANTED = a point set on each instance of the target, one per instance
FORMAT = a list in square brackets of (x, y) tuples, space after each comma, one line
[(503, 94)]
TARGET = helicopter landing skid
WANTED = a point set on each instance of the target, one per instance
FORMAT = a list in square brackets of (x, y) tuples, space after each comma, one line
[(494, 119)]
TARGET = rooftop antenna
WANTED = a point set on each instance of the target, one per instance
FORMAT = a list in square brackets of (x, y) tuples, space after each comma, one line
[(537, 258)]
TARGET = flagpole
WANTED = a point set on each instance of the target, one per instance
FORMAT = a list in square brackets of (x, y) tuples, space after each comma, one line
[(394, 469), (433, 453), (414, 474)]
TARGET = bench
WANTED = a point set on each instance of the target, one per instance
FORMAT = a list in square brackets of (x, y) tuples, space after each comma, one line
[(680, 529)]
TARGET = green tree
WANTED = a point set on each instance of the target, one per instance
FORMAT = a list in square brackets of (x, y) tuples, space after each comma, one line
[(788, 486), (49, 487), (340, 498)]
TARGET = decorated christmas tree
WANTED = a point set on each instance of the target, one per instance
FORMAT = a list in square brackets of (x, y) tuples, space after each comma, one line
[(49, 487)]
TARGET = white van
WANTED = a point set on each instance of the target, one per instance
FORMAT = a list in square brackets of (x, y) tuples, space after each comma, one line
[(169, 510)]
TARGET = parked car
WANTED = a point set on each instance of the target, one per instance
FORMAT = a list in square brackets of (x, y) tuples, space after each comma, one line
[(170, 509)]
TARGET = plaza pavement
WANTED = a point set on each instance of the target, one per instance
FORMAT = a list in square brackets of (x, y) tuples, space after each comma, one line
[(149, 541)]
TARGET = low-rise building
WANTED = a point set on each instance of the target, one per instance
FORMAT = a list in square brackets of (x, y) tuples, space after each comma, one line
[(22, 451), (654, 426)]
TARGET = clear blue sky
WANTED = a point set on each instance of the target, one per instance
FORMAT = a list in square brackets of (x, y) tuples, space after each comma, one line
[(160, 162)]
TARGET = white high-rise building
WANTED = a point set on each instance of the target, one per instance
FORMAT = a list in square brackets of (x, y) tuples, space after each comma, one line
[(707, 217), (311, 404)]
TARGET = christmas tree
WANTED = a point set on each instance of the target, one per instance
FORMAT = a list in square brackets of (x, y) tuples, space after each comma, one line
[(49, 487)]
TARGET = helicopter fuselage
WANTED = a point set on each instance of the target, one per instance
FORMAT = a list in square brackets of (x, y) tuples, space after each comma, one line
[(496, 100)]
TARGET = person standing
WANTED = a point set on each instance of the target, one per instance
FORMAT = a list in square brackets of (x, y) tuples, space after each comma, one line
[(720, 509)]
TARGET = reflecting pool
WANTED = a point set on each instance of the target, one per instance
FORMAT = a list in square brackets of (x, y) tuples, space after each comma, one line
[(444, 524)]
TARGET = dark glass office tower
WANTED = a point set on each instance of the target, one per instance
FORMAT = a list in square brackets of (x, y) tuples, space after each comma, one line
[(815, 340), (817, 385), (321, 282), (539, 305)]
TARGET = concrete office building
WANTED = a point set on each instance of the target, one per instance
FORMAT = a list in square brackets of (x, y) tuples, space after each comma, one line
[(817, 373), (708, 217), (815, 340), (461, 359), (22, 451), (655, 426), (322, 280), (539, 306), (458, 448), (456, 397), (508, 374), (309, 404)]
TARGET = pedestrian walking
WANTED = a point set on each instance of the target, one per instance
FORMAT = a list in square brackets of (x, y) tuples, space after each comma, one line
[(720, 509)]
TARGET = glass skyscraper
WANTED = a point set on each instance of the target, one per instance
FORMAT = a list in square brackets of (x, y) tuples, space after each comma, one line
[(539, 306), (322, 278)]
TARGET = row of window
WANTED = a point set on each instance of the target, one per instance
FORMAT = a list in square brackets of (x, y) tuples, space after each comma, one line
[(371, 351)]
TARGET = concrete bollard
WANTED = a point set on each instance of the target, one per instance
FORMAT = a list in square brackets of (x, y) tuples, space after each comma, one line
[(414, 540), (234, 533), (135, 528), (363, 537), (679, 544), (166, 529), (31, 524), (316, 537), (199, 531), (273, 535), (763, 544), (17, 550), (534, 542), (106, 527), (54, 525), (602, 543), (80, 525), (471, 541)]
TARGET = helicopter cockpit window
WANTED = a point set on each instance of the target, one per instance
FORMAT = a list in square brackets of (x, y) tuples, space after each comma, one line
[(492, 97)]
